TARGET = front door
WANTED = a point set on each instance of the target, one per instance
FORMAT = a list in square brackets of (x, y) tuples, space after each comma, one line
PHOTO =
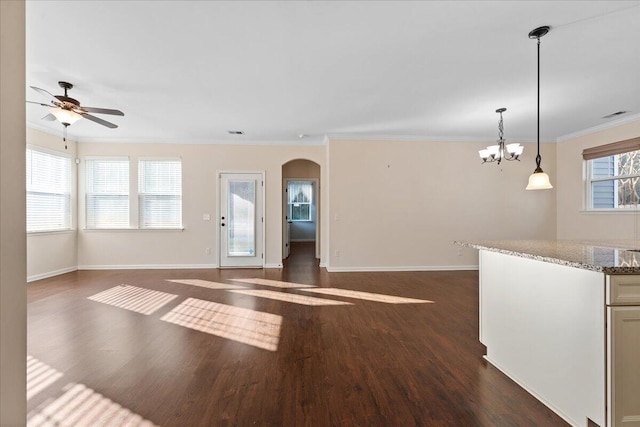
[(241, 220)]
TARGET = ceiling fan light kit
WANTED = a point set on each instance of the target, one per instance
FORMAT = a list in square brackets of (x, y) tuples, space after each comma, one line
[(68, 110)]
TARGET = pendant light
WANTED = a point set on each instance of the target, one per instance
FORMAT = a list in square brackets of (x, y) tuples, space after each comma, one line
[(538, 179)]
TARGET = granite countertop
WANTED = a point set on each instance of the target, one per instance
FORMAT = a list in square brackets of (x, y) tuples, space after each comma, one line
[(609, 257)]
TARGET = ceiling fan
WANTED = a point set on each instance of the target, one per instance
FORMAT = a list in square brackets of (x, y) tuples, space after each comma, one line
[(68, 110)]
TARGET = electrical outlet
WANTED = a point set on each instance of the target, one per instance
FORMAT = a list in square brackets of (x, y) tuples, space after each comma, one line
[(459, 251), (207, 251), (337, 254)]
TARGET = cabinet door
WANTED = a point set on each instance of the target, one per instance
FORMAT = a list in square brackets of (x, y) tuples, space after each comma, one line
[(624, 369)]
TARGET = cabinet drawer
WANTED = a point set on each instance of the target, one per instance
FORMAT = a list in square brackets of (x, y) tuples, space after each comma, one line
[(623, 289)]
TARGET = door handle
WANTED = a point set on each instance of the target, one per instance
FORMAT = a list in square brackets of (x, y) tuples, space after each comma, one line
[(222, 224)]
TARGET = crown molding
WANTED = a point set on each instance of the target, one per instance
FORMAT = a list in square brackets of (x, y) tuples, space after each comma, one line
[(419, 138), (598, 128)]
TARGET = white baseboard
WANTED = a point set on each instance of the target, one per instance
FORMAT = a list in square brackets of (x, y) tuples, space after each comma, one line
[(403, 268), (48, 274), (323, 264), (146, 267), (273, 266)]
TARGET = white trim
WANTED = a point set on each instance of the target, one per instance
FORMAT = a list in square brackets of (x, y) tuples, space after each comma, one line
[(598, 128), (531, 392), (271, 266), (50, 232), (51, 151), (323, 264), (310, 141), (403, 268), (48, 274), (420, 138), (93, 230), (614, 211), (146, 266)]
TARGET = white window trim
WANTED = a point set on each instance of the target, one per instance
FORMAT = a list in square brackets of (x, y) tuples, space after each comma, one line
[(72, 195), (139, 195), (86, 193), (314, 186), (587, 209)]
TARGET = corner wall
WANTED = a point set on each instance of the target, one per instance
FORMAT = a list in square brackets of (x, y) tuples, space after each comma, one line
[(13, 289), (573, 222), (398, 205), (53, 253)]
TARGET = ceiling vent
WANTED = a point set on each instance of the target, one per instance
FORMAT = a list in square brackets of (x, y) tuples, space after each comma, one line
[(617, 113), (235, 132)]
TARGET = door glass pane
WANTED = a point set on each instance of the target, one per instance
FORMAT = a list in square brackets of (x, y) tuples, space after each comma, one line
[(241, 238)]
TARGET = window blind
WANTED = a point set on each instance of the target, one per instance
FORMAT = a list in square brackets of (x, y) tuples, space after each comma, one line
[(612, 149), (107, 192), (48, 191), (160, 193)]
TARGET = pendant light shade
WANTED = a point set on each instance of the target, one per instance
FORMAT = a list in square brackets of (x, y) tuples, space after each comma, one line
[(538, 179)]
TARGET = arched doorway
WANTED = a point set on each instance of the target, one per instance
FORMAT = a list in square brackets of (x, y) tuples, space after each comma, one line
[(300, 205)]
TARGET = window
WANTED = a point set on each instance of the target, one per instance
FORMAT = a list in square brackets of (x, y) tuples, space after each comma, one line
[(107, 192), (300, 200), (160, 193), (48, 191), (614, 181)]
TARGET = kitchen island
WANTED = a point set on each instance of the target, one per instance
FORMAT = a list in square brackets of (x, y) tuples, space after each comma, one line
[(562, 319)]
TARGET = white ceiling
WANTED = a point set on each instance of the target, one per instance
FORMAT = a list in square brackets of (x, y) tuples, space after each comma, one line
[(189, 71)]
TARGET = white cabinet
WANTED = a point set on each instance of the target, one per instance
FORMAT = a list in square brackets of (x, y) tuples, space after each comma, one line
[(624, 350)]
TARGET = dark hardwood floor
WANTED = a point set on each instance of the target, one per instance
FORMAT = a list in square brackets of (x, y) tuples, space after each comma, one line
[(209, 356)]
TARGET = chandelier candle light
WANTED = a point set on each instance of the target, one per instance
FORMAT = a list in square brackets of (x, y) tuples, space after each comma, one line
[(496, 153), (538, 179)]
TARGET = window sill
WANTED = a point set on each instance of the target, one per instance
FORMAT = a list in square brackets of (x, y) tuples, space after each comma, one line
[(119, 230), (610, 211), (50, 232)]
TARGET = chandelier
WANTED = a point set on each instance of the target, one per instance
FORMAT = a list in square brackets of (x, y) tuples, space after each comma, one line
[(499, 152)]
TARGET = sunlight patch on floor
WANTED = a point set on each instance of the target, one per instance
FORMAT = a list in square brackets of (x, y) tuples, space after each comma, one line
[(368, 296), (274, 283), (39, 376), (80, 406), (140, 300), (246, 326), (206, 284), (294, 298)]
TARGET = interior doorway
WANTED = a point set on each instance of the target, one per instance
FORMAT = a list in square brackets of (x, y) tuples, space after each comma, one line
[(300, 206)]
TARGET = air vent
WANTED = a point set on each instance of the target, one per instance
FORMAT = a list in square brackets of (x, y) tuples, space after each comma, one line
[(617, 113), (235, 132)]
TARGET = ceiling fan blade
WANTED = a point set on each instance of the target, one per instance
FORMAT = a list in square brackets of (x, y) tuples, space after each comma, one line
[(101, 111), (40, 103), (45, 94), (99, 120), (49, 117)]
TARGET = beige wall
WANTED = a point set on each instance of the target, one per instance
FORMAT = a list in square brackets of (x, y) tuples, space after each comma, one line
[(400, 205), (53, 253), (200, 165), (13, 289), (573, 222)]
